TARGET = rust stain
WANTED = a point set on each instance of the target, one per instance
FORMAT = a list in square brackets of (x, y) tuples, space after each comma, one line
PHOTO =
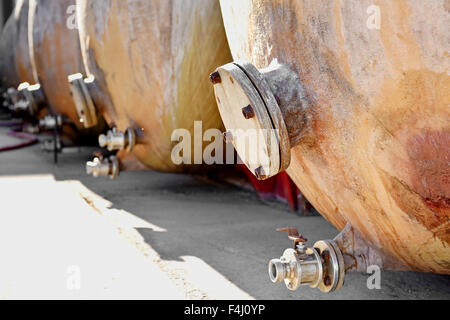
[(429, 153), (447, 5), (414, 154), (416, 208), (414, 109), (57, 54)]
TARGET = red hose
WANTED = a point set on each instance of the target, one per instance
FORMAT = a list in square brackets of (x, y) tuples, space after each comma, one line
[(15, 132), (11, 123)]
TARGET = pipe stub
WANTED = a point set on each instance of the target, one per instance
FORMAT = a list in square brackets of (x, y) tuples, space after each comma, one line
[(277, 271)]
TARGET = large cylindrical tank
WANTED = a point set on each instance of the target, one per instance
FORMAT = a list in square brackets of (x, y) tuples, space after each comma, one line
[(8, 74), (365, 96), (150, 60), (23, 60), (55, 49), (15, 63)]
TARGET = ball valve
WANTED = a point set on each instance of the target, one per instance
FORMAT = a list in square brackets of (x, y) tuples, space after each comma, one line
[(103, 167), (51, 122), (321, 266), (117, 140), (53, 146)]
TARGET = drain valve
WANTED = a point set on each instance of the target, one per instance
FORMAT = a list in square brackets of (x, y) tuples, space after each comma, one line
[(117, 140), (54, 145), (51, 122), (321, 266), (103, 167), (26, 98)]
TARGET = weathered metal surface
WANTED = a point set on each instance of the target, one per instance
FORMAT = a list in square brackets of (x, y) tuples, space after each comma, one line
[(56, 51), (23, 61), (374, 149), (150, 60), (8, 73), (15, 63)]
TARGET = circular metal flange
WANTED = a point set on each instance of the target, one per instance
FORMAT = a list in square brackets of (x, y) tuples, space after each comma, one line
[(131, 134), (273, 109), (84, 103), (319, 275), (115, 169), (294, 280), (333, 266), (252, 116)]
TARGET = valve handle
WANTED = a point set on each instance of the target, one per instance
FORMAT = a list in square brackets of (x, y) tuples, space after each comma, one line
[(294, 235)]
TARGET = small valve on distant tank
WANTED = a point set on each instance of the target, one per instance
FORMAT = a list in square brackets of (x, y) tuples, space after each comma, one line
[(117, 140), (103, 167), (51, 122)]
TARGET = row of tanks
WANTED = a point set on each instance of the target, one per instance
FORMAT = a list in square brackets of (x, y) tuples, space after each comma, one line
[(345, 101)]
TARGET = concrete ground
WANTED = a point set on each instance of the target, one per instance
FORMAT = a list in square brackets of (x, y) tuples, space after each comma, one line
[(150, 235)]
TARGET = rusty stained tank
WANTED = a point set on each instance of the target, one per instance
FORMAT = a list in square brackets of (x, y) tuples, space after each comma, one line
[(363, 115), (8, 73), (56, 54), (149, 60), (15, 61)]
